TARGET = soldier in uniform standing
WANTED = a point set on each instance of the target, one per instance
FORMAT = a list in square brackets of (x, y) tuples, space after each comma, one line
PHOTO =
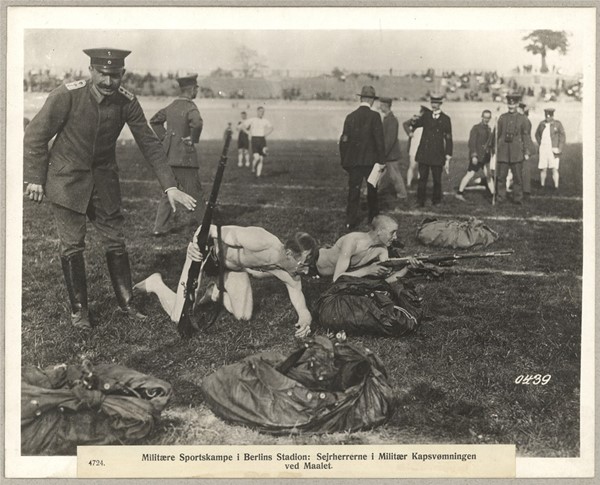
[(435, 149), (184, 126), (79, 175), (513, 140)]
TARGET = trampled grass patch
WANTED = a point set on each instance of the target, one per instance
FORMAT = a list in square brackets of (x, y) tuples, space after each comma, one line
[(454, 380)]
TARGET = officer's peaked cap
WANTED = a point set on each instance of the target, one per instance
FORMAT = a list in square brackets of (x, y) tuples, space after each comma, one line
[(188, 80), (106, 59)]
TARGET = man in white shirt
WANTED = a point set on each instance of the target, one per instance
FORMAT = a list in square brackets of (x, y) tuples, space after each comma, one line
[(259, 129)]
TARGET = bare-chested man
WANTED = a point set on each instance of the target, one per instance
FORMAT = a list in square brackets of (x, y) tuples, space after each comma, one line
[(359, 253), (248, 251), (253, 251)]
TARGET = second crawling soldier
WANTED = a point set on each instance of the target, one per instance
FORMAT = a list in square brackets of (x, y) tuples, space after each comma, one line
[(184, 126), (78, 174)]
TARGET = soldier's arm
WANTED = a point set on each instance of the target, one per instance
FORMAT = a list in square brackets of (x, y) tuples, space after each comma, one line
[(196, 124), (448, 137), (562, 137), (538, 132), (294, 288), (379, 138), (269, 129), (407, 127), (526, 134), (42, 128), (473, 142), (157, 122), (154, 154), (344, 138)]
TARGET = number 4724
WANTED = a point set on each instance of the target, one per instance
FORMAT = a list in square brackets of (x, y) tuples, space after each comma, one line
[(536, 379)]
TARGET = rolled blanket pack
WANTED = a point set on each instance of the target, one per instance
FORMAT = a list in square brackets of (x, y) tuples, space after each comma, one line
[(455, 234), (66, 406)]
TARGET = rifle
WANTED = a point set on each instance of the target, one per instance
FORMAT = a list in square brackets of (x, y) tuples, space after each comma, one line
[(399, 263), (182, 313)]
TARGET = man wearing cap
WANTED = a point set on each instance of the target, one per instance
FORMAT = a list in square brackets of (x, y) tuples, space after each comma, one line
[(435, 149), (512, 135), (391, 175), (550, 136), (524, 110), (361, 147), (184, 125), (79, 175)]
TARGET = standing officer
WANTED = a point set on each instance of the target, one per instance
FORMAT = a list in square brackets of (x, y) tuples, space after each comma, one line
[(435, 149), (184, 125), (361, 147), (79, 176), (513, 140)]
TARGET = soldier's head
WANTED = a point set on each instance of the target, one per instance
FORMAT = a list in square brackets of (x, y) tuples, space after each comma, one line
[(188, 85), (107, 67), (260, 111), (367, 95), (385, 105), (244, 115), (301, 249), (512, 101), (486, 116), (385, 229), (549, 114)]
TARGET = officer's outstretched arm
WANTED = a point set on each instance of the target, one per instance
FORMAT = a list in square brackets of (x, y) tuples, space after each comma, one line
[(294, 287)]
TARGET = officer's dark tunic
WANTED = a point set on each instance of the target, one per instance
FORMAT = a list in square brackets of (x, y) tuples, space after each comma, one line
[(79, 172)]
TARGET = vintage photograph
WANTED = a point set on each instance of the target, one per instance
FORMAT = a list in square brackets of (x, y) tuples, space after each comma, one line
[(368, 232)]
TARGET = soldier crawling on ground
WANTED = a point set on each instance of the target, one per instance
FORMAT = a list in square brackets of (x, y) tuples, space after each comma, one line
[(253, 251)]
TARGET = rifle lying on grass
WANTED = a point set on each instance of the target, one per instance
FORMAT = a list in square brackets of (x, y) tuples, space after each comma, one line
[(399, 263), (184, 308)]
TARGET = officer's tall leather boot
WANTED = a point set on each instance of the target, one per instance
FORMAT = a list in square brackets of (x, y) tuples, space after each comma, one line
[(120, 276), (74, 270)]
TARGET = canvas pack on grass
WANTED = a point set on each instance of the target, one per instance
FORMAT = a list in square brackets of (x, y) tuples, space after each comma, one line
[(65, 406), (455, 234), (326, 386)]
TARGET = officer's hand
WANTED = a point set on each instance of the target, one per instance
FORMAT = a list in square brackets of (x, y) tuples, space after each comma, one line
[(35, 192), (193, 252), (526, 157), (474, 159), (556, 151), (187, 141), (176, 195)]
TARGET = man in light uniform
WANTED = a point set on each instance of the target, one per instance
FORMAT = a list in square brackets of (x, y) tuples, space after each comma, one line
[(259, 129), (550, 136), (79, 173)]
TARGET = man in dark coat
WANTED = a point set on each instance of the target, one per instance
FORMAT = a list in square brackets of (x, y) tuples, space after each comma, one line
[(513, 139), (79, 173), (184, 125), (361, 147), (392, 175), (435, 149), (479, 154)]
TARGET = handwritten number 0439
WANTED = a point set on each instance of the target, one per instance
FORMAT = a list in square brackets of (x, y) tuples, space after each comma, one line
[(536, 379)]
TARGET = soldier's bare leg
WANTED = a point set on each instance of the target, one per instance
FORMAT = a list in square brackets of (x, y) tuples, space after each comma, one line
[(259, 165), (255, 158), (155, 284), (555, 177), (543, 177), (238, 295), (488, 178)]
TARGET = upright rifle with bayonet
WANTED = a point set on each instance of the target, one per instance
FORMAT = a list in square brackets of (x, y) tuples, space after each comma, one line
[(183, 314)]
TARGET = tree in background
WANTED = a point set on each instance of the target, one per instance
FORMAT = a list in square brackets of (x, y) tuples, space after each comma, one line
[(249, 61), (541, 41)]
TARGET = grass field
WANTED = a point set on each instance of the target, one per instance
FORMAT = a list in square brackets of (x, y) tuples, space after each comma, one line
[(454, 379)]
